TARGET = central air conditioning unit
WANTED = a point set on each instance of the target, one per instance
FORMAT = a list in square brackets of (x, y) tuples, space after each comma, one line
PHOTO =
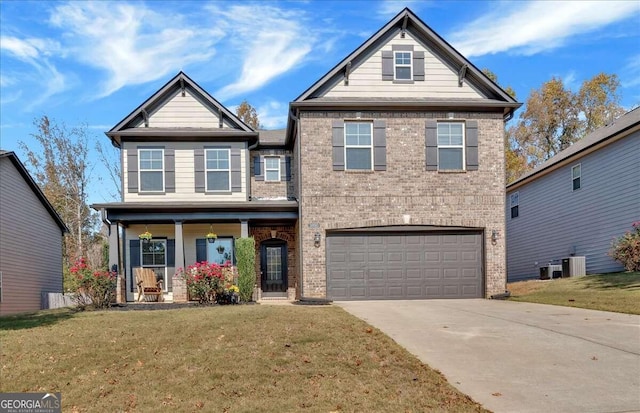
[(574, 266), (550, 272)]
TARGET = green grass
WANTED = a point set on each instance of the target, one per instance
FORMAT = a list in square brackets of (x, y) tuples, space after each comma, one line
[(617, 292), (219, 359)]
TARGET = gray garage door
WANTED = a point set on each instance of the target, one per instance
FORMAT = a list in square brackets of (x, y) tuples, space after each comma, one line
[(404, 266)]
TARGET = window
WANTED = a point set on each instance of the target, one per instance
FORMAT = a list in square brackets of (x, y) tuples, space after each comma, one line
[(154, 255), (450, 146), (358, 145), (151, 170), (576, 171), (272, 168), (514, 202), (402, 66), (220, 251), (217, 170)]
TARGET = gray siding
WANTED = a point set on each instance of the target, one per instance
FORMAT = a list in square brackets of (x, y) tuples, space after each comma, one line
[(30, 265), (553, 218)]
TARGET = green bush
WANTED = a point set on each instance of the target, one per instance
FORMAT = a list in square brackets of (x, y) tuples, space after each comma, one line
[(626, 249), (246, 259)]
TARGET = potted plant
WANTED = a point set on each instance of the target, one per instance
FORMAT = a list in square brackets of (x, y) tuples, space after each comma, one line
[(145, 237), (211, 237)]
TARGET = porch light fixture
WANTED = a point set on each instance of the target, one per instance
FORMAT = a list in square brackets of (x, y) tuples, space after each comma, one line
[(316, 240), (274, 233), (211, 236), (494, 237)]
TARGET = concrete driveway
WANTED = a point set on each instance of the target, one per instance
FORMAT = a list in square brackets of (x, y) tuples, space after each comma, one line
[(520, 357)]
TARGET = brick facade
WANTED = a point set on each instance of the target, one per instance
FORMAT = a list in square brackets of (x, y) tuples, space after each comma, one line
[(285, 233), (343, 199), (271, 190)]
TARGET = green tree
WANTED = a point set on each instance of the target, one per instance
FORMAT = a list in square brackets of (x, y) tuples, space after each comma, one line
[(61, 167), (248, 114)]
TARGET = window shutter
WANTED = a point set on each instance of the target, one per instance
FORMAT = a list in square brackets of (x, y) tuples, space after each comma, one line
[(198, 162), (283, 168), (132, 170), (379, 145), (171, 253), (257, 167), (387, 65), (431, 145), (236, 170), (201, 249), (169, 170), (471, 145), (288, 167), (134, 254), (418, 65), (338, 145)]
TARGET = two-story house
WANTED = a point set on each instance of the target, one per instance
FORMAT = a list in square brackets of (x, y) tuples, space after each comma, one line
[(388, 181)]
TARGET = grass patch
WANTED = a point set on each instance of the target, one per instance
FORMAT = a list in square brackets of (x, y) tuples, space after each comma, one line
[(617, 292), (227, 359)]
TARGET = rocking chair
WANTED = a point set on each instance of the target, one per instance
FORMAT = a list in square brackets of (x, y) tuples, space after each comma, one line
[(147, 284)]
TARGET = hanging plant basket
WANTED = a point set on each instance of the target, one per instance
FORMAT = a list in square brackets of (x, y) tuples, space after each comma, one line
[(211, 237), (145, 237)]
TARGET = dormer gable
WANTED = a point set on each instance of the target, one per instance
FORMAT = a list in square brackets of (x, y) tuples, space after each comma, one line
[(406, 63), (181, 108)]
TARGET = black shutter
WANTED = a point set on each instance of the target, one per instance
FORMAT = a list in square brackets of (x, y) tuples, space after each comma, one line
[(418, 65), (431, 145), (257, 167), (201, 249), (379, 145), (134, 254), (387, 65), (169, 170), (338, 145), (171, 253), (236, 170), (283, 168), (198, 162), (132, 170), (471, 145), (287, 160)]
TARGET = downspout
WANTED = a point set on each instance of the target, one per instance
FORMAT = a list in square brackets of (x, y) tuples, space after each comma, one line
[(296, 120)]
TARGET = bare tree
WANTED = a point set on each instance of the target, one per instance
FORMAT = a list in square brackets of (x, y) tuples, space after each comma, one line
[(248, 114), (110, 157)]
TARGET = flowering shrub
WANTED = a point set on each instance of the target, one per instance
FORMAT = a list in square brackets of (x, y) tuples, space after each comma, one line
[(626, 249), (204, 280), (90, 286)]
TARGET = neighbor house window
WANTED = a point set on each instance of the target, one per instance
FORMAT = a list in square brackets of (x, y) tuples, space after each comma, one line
[(218, 175), (402, 66), (450, 146), (514, 201), (151, 169), (220, 251), (576, 172), (358, 145), (154, 255), (272, 168)]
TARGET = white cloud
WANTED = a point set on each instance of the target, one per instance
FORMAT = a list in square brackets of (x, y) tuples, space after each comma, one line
[(273, 115), (270, 42), (536, 26), (131, 42), (631, 72)]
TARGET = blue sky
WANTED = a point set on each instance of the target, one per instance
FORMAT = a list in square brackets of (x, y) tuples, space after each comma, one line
[(94, 62)]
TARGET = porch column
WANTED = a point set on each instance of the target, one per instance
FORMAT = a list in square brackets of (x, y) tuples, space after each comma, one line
[(114, 261), (179, 285), (244, 229)]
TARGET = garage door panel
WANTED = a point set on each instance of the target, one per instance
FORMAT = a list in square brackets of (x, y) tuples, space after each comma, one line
[(415, 266)]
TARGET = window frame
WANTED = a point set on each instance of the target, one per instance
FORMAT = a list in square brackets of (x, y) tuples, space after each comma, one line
[(233, 249), (141, 170), (347, 146), (267, 169), (578, 178), (397, 65), (514, 208), (462, 146), (207, 170)]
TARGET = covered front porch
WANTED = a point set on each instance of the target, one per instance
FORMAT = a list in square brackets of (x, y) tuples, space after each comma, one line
[(178, 238)]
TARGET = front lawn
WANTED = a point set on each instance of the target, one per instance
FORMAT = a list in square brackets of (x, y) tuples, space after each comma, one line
[(618, 292), (219, 359)]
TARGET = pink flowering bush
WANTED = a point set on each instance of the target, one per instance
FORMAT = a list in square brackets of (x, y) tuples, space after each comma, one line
[(626, 249), (91, 287), (204, 280)]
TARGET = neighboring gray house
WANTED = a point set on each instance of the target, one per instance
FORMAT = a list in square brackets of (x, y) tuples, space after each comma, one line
[(30, 240), (577, 202)]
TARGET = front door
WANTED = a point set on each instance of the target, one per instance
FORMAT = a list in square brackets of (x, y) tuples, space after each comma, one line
[(273, 265)]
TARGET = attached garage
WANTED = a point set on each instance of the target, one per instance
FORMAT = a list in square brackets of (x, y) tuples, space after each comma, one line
[(391, 263)]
